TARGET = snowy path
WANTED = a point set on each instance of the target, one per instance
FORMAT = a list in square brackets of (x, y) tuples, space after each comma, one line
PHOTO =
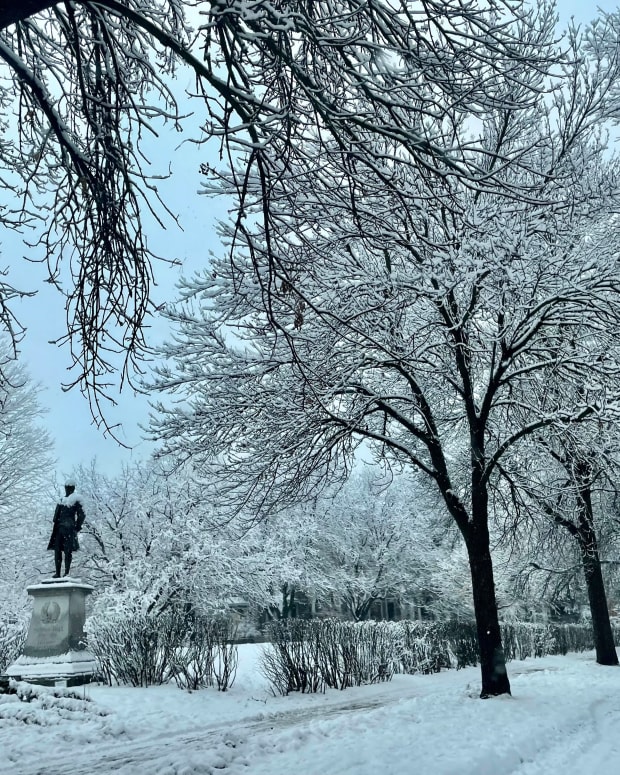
[(592, 746), (563, 718), (211, 748), (152, 750)]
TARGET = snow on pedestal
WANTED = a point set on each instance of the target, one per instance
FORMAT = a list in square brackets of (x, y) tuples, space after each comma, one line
[(54, 653)]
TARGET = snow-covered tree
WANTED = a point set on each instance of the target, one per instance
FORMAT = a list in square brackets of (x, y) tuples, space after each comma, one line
[(138, 533), (280, 558), (351, 547), (26, 475), (371, 545), (152, 538), (25, 447), (419, 319), (566, 480), (84, 82)]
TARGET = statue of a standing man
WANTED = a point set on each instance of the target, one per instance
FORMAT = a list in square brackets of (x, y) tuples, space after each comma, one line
[(68, 519)]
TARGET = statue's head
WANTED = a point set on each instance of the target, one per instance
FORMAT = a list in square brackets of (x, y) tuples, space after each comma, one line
[(69, 487)]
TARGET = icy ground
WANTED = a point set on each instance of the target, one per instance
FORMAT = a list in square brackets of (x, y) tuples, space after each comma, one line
[(563, 718)]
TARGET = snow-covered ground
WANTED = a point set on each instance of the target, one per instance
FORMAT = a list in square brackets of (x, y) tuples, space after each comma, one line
[(563, 717)]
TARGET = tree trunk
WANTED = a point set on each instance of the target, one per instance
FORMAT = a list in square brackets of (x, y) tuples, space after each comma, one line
[(601, 626), (590, 558), (289, 608), (492, 660), (476, 534)]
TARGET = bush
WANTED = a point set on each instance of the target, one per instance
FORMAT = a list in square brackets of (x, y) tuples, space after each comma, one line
[(460, 641), (352, 654), (138, 648), (576, 637), (309, 655), (224, 668), (291, 662), (141, 649), (13, 633)]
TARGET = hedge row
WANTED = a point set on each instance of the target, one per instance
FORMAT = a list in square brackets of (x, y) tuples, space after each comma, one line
[(311, 655), (303, 656), (520, 640), (144, 649)]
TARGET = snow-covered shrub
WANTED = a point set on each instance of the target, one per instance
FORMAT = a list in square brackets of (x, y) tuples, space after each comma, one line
[(427, 647), (362, 652), (377, 652), (208, 656), (424, 647), (137, 648), (460, 640), (526, 639), (337, 645), (309, 655), (142, 648), (192, 666), (290, 662), (45, 706), (544, 642), (226, 655), (576, 637), (13, 631)]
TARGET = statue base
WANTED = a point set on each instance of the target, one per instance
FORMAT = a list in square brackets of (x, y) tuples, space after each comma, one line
[(54, 653)]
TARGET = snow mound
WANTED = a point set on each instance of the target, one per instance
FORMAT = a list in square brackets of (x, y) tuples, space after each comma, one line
[(45, 706)]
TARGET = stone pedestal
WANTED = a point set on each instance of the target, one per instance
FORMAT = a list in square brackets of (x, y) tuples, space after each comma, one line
[(54, 652)]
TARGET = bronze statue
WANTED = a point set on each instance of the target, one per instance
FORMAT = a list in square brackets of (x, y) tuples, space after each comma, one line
[(68, 519)]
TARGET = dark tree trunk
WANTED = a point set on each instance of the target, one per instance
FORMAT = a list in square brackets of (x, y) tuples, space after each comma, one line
[(583, 473), (590, 558), (601, 626), (289, 608), (361, 611), (492, 660)]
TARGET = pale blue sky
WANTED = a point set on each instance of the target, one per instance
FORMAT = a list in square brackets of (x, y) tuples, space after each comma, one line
[(583, 11), (68, 418)]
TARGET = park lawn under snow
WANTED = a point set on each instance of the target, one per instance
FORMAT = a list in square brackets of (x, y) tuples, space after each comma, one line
[(563, 717)]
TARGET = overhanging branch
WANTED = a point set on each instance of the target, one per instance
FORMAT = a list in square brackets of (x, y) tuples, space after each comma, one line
[(19, 10)]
